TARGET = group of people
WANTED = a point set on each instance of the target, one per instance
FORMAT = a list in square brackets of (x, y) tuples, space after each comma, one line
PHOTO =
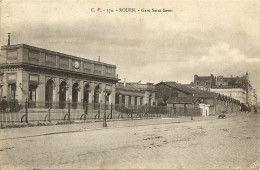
[(3, 104), (11, 106)]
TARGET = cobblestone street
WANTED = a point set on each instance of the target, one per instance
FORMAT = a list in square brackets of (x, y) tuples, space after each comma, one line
[(205, 142)]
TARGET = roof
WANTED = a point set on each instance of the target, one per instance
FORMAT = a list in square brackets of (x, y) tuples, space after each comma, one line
[(203, 78), (177, 86), (183, 100), (134, 86), (191, 91)]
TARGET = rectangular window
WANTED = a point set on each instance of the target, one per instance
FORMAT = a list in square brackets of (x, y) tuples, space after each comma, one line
[(34, 78), (64, 62), (12, 55), (11, 77), (50, 60), (108, 71), (34, 56), (87, 67), (98, 69)]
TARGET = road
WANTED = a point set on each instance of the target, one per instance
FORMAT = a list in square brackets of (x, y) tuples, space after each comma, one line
[(177, 143)]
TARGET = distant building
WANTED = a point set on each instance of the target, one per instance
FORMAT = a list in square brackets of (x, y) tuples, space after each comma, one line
[(237, 87), (204, 82), (252, 97), (135, 94)]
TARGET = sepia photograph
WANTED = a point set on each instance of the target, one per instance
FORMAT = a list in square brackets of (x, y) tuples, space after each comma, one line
[(127, 84)]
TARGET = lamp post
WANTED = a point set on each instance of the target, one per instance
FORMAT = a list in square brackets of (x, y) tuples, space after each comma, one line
[(106, 93), (193, 105)]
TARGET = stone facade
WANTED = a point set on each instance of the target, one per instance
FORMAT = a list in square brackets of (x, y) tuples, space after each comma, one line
[(204, 82), (42, 76)]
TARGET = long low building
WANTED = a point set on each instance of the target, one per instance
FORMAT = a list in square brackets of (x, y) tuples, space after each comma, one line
[(43, 76), (178, 95)]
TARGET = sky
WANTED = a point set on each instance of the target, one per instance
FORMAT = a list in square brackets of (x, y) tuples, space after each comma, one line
[(198, 37)]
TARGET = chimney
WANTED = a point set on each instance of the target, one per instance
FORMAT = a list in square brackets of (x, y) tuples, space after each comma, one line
[(124, 82), (8, 43), (98, 58)]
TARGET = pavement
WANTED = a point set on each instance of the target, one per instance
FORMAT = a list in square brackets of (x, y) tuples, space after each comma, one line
[(34, 131), (163, 143)]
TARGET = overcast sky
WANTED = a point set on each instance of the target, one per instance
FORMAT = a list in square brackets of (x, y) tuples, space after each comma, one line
[(220, 38)]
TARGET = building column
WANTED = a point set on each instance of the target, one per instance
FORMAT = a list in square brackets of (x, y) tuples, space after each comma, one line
[(112, 95), (81, 92), (22, 94), (120, 99), (126, 100), (40, 92), (138, 101), (56, 91), (153, 98), (69, 91), (146, 98), (101, 94), (19, 91), (5, 87), (133, 100), (91, 93)]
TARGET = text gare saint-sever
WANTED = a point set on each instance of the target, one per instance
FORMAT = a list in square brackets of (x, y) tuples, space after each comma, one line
[(132, 10), (144, 10)]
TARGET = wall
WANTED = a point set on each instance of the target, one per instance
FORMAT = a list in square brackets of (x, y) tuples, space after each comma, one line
[(164, 92)]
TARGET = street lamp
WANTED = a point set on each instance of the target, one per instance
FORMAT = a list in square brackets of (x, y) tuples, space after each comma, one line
[(106, 93), (21, 86)]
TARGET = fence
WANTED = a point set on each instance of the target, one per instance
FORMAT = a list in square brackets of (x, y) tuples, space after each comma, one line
[(14, 111)]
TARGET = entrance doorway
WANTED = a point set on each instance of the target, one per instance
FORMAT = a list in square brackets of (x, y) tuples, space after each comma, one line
[(12, 91), (150, 99), (32, 95), (12, 96), (75, 89), (86, 94), (49, 93), (62, 94), (96, 97)]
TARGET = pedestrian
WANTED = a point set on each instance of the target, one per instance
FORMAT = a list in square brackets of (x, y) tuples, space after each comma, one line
[(4, 104)]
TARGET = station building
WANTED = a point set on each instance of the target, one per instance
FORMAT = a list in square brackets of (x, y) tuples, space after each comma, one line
[(43, 76)]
